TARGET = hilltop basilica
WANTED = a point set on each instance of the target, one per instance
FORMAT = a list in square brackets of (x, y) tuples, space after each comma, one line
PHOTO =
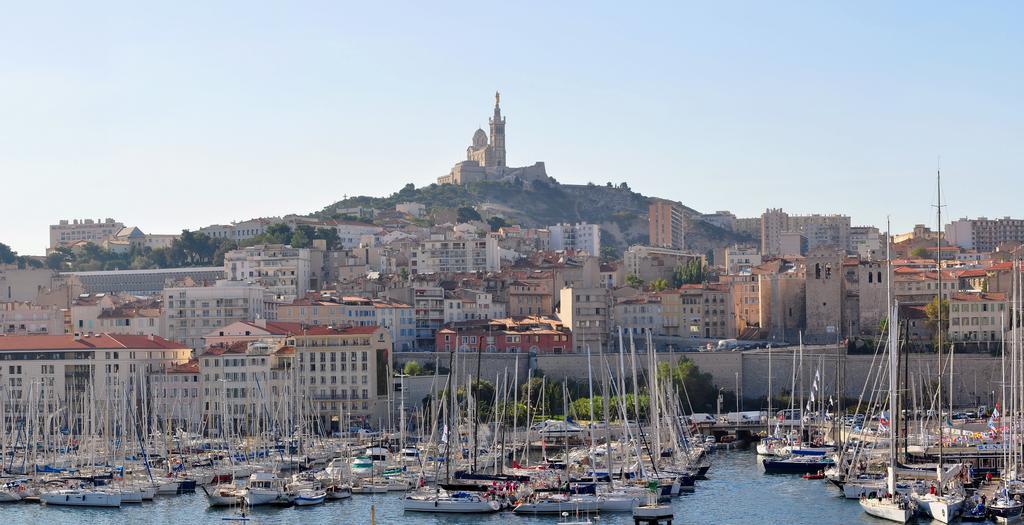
[(485, 157)]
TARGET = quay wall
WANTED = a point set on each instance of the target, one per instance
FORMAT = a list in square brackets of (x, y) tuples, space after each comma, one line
[(976, 377)]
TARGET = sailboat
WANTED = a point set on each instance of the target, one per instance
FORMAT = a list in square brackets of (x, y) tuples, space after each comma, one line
[(939, 504), (1004, 507), (892, 506)]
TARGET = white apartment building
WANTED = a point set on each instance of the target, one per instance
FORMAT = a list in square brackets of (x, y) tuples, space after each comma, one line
[(190, 312), (67, 232), (821, 231), (984, 234), (580, 236), (284, 271), (117, 315), (471, 305), (867, 242), (239, 230), (353, 233), (456, 252), (741, 259), (396, 317)]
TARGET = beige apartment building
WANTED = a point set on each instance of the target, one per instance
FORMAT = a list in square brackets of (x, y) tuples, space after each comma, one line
[(977, 317), (666, 223), (68, 232), (24, 318), (528, 297), (588, 313), (59, 372)]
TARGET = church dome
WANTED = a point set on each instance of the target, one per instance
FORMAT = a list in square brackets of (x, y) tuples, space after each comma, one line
[(480, 138)]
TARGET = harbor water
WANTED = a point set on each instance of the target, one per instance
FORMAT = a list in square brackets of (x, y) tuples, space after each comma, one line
[(736, 492)]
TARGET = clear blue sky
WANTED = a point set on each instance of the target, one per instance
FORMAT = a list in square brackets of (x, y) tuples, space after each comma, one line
[(190, 113)]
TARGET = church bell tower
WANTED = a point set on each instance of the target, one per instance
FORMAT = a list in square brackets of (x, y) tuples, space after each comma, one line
[(497, 145)]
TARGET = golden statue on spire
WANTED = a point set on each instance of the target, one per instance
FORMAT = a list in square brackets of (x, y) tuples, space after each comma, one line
[(497, 98)]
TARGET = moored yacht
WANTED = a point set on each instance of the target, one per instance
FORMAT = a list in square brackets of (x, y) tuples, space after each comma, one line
[(442, 501), (81, 498)]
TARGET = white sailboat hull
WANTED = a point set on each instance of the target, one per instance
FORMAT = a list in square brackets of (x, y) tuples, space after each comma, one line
[(886, 509), (260, 497), (557, 506), (78, 498), (623, 503), (942, 509), (450, 506)]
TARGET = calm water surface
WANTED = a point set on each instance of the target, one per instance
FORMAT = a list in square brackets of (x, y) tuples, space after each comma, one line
[(736, 493)]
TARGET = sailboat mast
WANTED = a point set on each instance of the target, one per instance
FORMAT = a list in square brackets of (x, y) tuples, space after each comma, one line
[(893, 373), (938, 304)]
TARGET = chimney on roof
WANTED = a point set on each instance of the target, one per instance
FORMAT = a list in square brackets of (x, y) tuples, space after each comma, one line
[(150, 337)]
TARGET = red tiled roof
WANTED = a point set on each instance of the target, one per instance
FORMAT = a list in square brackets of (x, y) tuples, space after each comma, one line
[(978, 297), (86, 342), (278, 327), (191, 367)]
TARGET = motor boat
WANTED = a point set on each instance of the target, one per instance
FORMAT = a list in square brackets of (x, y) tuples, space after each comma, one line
[(309, 497), (265, 488), (409, 456), (362, 466), (796, 465)]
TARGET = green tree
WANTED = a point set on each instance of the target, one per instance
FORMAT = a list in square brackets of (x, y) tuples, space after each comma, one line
[(7, 255), (933, 312), (609, 253), (699, 387), (496, 223), (330, 235), (659, 285), (403, 274), (412, 368), (56, 260), (693, 272), (920, 253), (300, 239), (467, 213), (279, 233), (633, 281)]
